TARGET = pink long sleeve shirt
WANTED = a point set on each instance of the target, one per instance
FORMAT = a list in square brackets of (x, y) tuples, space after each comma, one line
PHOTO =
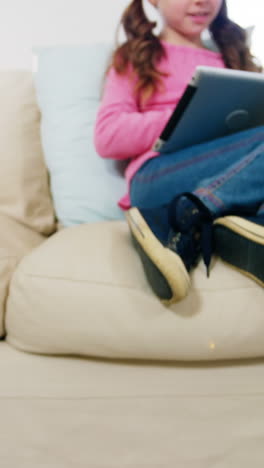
[(124, 128)]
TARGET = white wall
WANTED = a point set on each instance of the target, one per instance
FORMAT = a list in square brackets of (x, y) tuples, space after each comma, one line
[(27, 23), (249, 13)]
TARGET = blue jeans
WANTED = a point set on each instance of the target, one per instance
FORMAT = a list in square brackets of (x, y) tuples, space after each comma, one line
[(227, 174)]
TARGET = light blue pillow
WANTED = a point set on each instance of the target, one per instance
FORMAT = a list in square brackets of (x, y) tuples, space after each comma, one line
[(68, 81)]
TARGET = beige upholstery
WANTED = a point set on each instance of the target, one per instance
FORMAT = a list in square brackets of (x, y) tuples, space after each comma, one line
[(83, 292), (16, 240), (24, 192), (69, 413)]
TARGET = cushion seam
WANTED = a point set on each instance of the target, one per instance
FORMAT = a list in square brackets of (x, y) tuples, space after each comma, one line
[(91, 281)]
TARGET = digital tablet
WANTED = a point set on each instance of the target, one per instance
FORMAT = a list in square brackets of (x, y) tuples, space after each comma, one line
[(217, 102)]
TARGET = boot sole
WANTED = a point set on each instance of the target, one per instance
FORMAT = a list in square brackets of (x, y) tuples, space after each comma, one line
[(240, 243), (164, 269)]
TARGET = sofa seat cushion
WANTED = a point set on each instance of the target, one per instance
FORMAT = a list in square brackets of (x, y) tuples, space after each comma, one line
[(83, 292), (61, 412), (16, 240)]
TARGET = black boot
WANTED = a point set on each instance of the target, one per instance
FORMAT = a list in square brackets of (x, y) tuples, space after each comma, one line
[(169, 240), (240, 242)]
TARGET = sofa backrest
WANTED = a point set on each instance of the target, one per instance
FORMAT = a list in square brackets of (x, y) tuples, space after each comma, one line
[(24, 188)]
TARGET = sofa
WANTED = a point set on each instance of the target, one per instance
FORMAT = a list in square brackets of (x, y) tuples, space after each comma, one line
[(95, 371)]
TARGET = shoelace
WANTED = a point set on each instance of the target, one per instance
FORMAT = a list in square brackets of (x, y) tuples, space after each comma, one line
[(203, 221)]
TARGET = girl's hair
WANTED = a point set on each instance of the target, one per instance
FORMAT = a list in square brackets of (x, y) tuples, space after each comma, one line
[(143, 49)]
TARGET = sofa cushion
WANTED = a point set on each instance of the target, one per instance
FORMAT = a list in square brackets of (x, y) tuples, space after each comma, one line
[(59, 413), (24, 191), (69, 81), (16, 240), (83, 292)]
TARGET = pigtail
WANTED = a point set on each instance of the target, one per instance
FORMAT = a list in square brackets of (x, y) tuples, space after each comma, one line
[(142, 50), (232, 42)]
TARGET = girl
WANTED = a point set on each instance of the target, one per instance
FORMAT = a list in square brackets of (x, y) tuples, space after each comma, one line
[(209, 196)]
